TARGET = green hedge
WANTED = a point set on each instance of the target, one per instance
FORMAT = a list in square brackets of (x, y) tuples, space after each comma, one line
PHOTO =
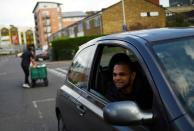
[(65, 48)]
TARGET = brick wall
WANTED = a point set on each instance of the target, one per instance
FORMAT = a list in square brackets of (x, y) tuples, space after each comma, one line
[(54, 23), (93, 30), (157, 2), (112, 19), (54, 20)]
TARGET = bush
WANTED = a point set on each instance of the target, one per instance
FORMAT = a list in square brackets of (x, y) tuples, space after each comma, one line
[(177, 20), (65, 48)]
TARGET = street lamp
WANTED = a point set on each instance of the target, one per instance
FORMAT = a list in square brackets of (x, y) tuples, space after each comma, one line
[(124, 26), (0, 38)]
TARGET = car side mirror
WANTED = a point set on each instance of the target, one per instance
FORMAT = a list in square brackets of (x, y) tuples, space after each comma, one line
[(125, 113)]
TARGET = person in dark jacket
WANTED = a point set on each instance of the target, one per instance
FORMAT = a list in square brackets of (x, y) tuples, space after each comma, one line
[(123, 75), (27, 57), (127, 84)]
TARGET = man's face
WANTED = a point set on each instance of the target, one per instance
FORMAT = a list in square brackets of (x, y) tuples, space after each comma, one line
[(121, 76)]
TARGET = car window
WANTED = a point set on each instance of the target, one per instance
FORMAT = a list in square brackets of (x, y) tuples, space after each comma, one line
[(108, 52), (104, 77), (80, 67), (177, 59)]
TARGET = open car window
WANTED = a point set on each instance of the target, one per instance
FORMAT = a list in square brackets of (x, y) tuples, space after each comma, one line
[(103, 76)]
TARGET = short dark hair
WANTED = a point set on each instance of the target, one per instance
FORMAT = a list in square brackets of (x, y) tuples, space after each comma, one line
[(121, 59)]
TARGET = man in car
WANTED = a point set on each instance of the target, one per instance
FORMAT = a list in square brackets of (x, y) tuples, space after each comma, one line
[(126, 84), (123, 75)]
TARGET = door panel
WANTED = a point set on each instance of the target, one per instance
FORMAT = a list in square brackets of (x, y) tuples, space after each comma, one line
[(81, 114)]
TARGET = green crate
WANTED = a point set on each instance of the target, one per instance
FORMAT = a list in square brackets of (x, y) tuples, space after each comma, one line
[(38, 73)]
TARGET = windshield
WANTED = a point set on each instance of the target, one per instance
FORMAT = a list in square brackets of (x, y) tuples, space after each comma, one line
[(177, 59)]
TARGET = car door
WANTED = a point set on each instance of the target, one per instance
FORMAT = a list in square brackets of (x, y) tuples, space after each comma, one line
[(85, 87), (78, 113), (88, 100), (101, 75)]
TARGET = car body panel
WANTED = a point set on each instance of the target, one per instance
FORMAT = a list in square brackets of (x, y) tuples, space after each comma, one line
[(83, 106)]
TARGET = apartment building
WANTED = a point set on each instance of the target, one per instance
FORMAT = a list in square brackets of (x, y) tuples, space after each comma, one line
[(47, 21)]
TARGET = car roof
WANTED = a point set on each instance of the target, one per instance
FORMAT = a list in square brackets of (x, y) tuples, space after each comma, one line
[(159, 33), (149, 35)]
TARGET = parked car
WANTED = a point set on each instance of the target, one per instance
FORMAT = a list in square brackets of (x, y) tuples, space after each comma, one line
[(164, 58), (41, 54)]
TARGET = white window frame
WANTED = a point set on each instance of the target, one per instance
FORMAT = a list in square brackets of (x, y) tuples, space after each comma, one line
[(155, 13), (71, 32), (87, 24), (143, 14), (80, 29), (97, 21)]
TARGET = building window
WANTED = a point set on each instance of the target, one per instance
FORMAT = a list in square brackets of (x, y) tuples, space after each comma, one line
[(143, 14), (154, 13), (71, 32), (64, 32), (49, 29), (80, 30), (45, 14), (169, 14), (49, 34), (148, 13), (87, 24), (47, 22), (97, 21), (80, 27)]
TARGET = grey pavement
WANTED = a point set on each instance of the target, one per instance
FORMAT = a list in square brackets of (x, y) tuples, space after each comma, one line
[(28, 109)]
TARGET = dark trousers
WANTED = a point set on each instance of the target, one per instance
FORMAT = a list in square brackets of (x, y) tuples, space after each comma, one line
[(26, 72)]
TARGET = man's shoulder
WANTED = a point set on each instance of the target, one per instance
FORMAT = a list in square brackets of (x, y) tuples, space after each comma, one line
[(111, 91)]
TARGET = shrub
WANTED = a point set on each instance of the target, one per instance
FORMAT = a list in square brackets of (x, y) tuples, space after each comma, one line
[(65, 48)]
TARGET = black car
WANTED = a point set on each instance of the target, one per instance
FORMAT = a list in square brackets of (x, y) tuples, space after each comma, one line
[(164, 59)]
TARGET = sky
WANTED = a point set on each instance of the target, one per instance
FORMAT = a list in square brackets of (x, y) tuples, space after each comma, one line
[(19, 12)]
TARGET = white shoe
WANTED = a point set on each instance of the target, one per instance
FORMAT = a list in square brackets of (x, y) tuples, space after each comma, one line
[(26, 85)]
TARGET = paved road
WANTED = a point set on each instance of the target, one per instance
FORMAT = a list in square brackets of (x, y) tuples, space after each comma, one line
[(28, 109)]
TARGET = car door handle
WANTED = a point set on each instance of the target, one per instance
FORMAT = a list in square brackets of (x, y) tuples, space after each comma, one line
[(82, 110)]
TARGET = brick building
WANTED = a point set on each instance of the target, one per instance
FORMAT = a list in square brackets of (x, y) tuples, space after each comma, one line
[(47, 20), (157, 2), (68, 18), (50, 19), (139, 14)]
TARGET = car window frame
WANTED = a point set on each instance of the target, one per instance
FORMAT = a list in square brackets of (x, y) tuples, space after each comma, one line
[(97, 98), (76, 55), (127, 46)]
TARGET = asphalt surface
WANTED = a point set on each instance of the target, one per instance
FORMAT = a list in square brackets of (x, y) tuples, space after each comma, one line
[(28, 109)]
